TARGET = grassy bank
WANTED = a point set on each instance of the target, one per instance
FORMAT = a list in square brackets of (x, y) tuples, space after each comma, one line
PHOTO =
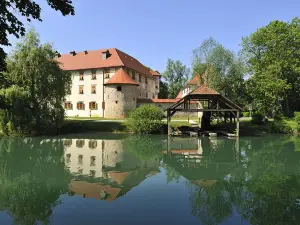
[(87, 126), (77, 125)]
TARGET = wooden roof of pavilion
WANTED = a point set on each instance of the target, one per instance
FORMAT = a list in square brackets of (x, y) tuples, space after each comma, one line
[(205, 93)]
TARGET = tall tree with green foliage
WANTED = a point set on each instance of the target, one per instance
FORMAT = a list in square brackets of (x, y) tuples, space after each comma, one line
[(163, 90), (34, 101), (273, 56), (224, 70), (11, 24), (176, 75)]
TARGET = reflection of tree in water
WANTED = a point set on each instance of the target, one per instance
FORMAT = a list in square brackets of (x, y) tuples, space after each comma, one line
[(144, 146), (211, 205), (267, 194), (210, 199), (32, 177)]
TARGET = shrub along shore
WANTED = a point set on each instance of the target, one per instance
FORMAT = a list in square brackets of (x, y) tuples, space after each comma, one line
[(149, 119)]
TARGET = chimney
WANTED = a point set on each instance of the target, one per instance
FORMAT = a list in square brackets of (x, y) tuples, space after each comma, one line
[(57, 54), (85, 52), (73, 53)]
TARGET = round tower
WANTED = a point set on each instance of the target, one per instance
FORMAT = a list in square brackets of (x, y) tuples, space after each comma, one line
[(120, 95)]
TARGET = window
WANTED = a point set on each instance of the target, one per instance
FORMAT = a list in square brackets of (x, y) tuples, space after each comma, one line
[(140, 78), (68, 106), (93, 89), (156, 86), (79, 143), (146, 80), (81, 77), (92, 144), (116, 102), (93, 161), (68, 158), (93, 106), (94, 77), (153, 96), (81, 89), (92, 173), (80, 159), (80, 106), (133, 75), (146, 95), (80, 171), (119, 88), (68, 142)]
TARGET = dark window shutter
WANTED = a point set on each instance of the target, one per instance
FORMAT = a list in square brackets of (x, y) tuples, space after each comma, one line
[(96, 106), (65, 105), (77, 105), (72, 106), (90, 105), (83, 106)]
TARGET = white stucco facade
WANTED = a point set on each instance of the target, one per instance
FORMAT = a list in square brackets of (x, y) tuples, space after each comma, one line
[(148, 88)]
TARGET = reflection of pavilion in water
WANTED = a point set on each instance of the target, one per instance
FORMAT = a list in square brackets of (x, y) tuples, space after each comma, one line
[(103, 170), (202, 161)]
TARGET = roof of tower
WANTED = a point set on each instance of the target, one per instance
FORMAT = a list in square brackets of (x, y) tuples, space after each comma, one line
[(121, 77)]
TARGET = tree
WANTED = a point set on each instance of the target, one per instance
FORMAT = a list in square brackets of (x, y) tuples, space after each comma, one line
[(273, 54), (224, 72), (33, 102), (10, 24), (176, 75), (163, 90)]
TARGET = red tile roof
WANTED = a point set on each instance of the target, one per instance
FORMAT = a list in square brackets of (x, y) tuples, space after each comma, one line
[(121, 77), (93, 59), (203, 90), (179, 95), (195, 80), (157, 100), (155, 73)]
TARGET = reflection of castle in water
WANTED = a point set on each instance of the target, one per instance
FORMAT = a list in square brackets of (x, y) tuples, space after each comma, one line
[(102, 169)]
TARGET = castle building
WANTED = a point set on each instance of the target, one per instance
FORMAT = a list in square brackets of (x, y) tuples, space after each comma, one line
[(106, 83)]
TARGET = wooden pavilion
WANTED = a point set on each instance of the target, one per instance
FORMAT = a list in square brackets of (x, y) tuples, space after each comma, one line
[(209, 101)]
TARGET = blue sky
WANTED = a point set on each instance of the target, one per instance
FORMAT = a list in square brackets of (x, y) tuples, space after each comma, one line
[(154, 30)]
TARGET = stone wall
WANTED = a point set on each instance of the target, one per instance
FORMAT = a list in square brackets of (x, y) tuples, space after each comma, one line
[(118, 102)]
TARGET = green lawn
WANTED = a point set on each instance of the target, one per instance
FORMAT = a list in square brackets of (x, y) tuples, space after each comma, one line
[(86, 125), (90, 118)]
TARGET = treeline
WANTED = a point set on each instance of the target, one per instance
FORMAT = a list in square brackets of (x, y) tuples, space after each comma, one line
[(263, 76)]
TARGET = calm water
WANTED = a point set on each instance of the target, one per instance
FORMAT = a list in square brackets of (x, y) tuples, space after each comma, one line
[(150, 180)]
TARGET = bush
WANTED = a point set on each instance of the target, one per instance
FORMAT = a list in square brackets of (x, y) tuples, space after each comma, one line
[(145, 119), (279, 127), (246, 114), (257, 118), (297, 119)]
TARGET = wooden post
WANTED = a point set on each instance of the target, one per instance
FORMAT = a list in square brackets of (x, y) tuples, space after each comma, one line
[(169, 122), (169, 146), (238, 123), (237, 150)]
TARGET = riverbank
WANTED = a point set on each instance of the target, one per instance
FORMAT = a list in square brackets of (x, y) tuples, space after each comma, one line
[(112, 126), (118, 126)]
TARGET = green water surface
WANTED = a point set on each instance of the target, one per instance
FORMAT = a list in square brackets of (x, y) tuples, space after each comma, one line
[(115, 179)]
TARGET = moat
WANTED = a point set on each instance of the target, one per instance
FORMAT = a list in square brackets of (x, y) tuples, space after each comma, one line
[(119, 179)]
